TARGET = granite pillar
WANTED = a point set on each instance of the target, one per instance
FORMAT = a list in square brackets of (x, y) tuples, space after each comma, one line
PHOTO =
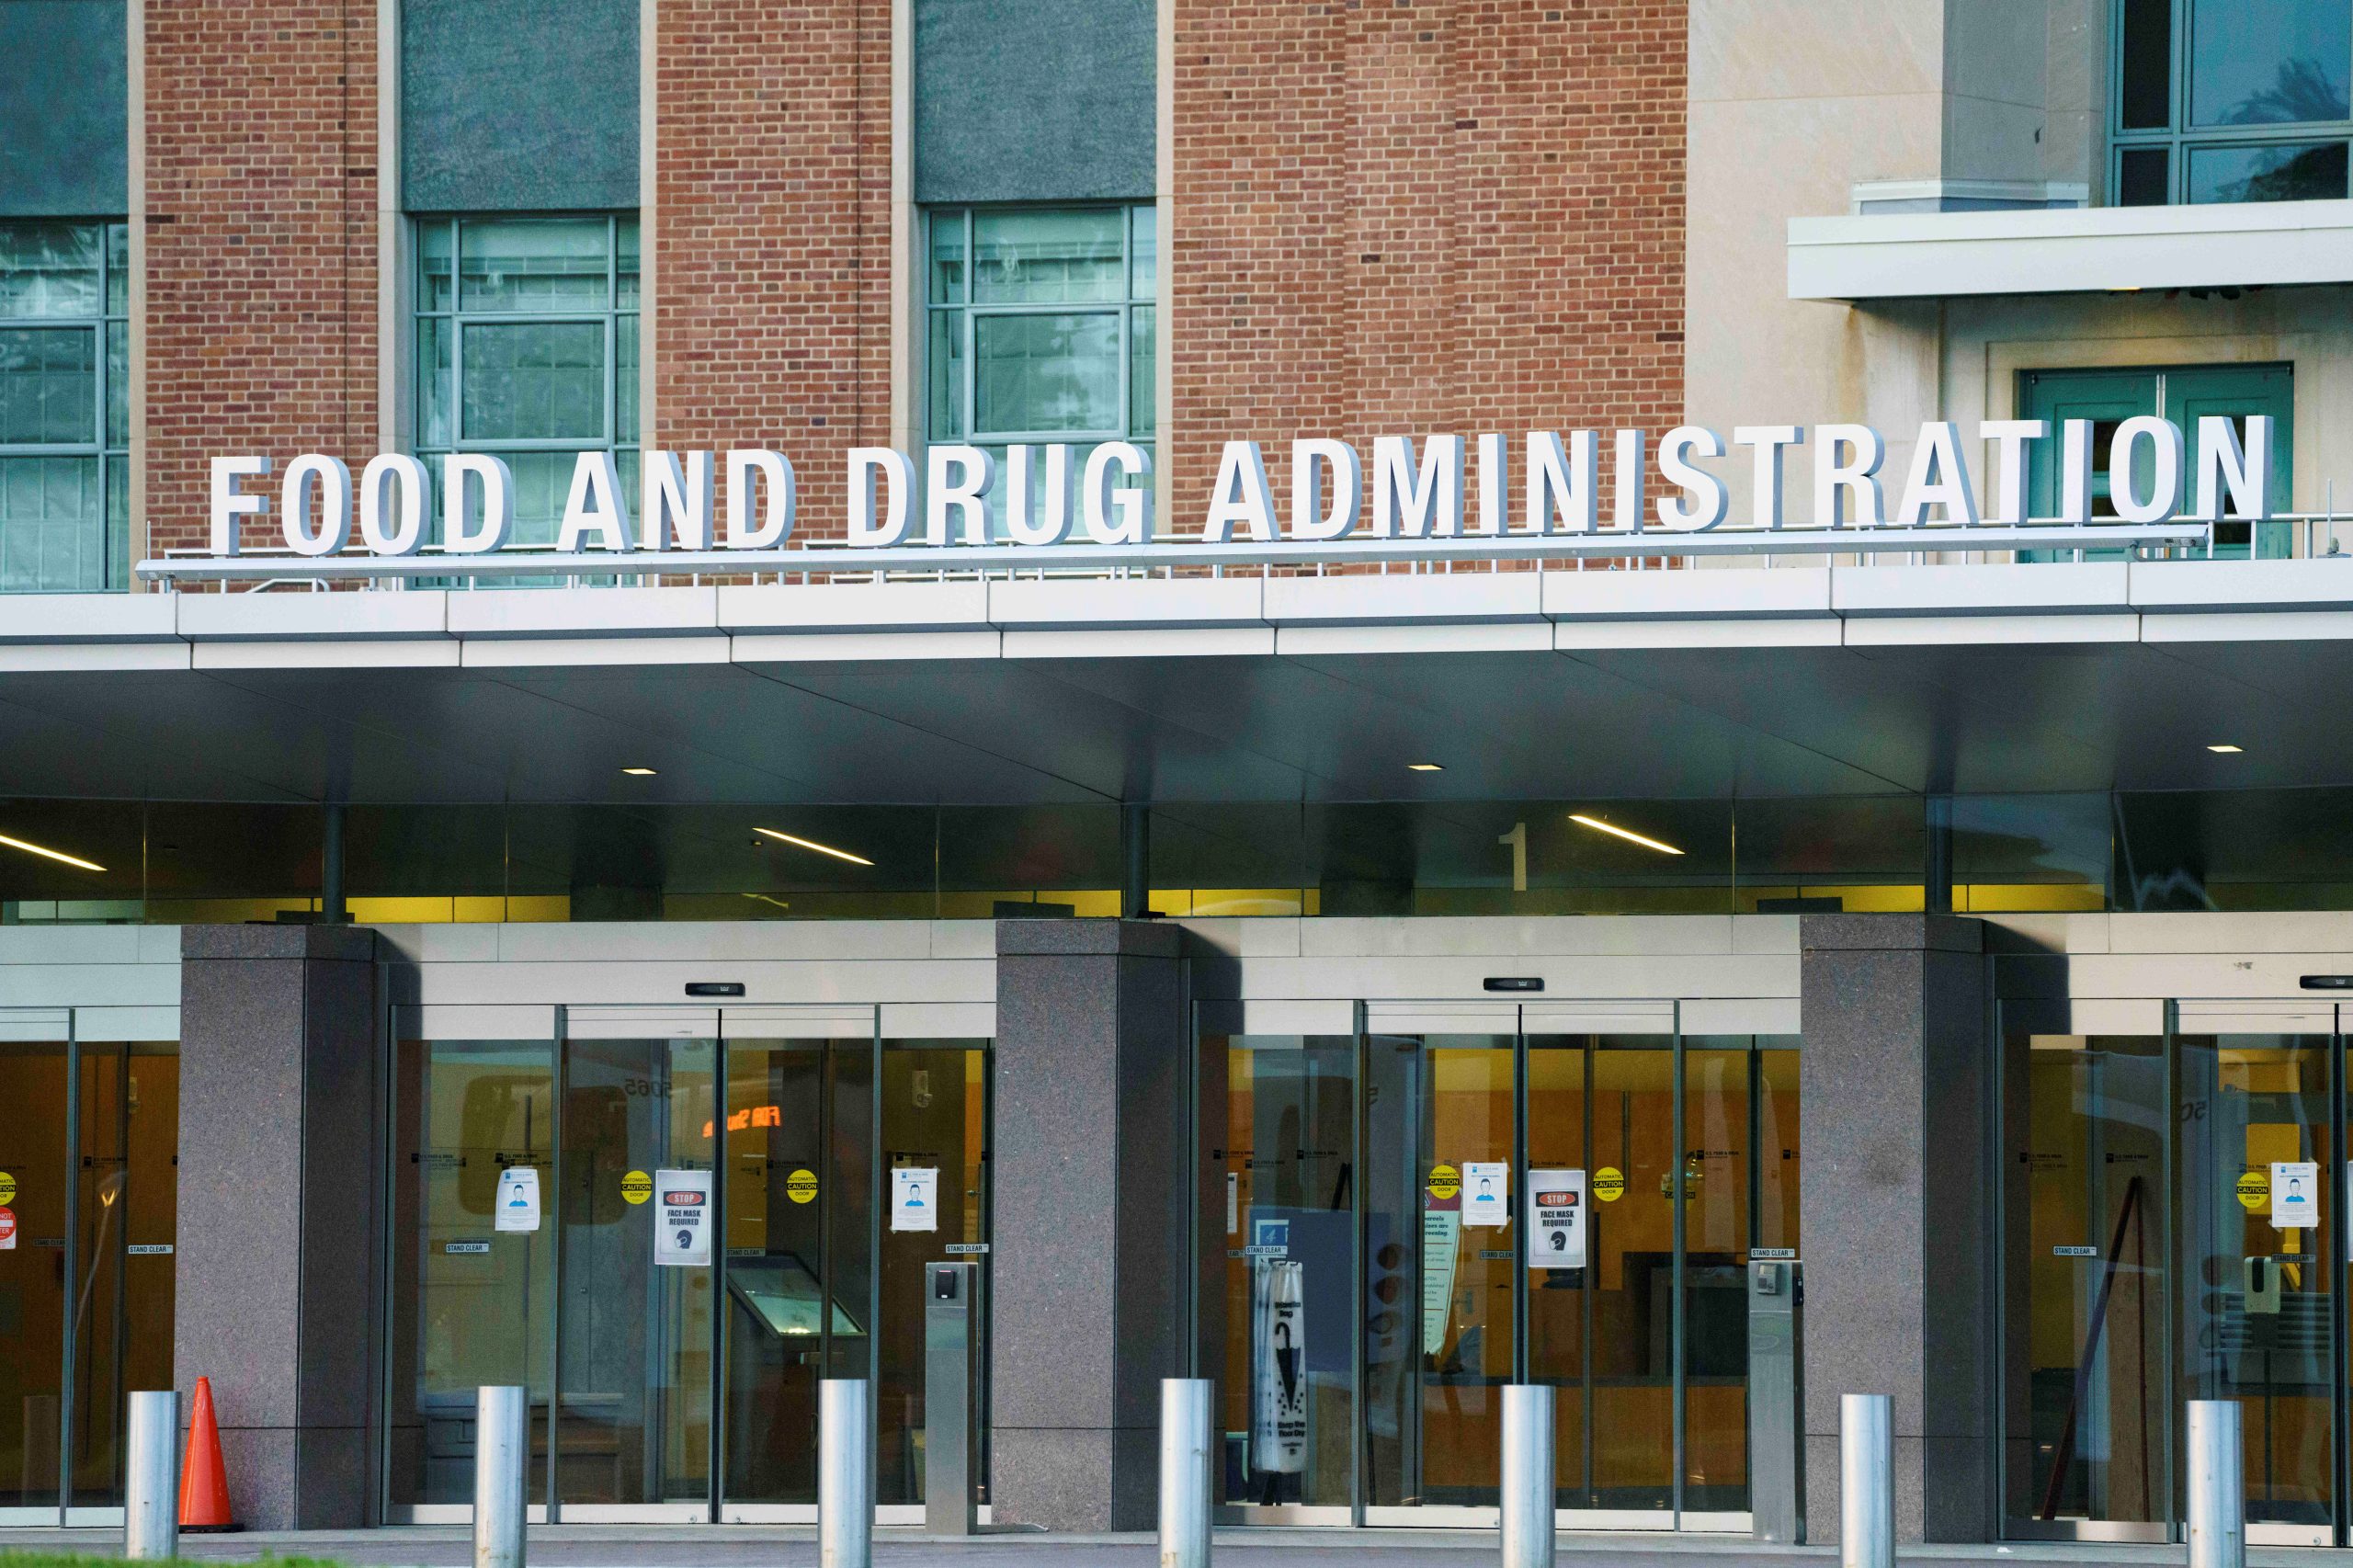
[(1897, 1086), (1092, 1302), (280, 1231)]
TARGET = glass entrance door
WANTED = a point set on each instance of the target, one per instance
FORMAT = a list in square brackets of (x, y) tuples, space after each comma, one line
[(89, 1205), (1427, 1135), (2180, 1199), (710, 1182)]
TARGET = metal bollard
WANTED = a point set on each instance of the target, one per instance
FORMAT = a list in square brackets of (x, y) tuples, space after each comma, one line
[(844, 1475), (2217, 1515), (1185, 1447), (1528, 1477), (1865, 1481), (502, 1443), (150, 1511)]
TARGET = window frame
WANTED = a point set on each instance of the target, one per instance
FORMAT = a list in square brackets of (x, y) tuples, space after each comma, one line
[(458, 316), (2177, 139), (113, 458), (965, 315)]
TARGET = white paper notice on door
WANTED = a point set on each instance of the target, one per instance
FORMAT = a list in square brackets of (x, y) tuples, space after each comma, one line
[(1486, 1193), (915, 1198), (518, 1199), (682, 1218), (2295, 1195), (1556, 1219)]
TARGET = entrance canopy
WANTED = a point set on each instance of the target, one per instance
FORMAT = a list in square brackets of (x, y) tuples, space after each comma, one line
[(1669, 685)]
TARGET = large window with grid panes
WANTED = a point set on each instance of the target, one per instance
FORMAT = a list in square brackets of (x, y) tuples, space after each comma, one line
[(1040, 328), (526, 348), (2230, 100), (64, 406)]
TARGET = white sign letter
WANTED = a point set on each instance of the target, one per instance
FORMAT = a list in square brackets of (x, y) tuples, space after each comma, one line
[(744, 467), (1857, 475), (497, 482), (1241, 496), (2223, 462), (2074, 470), (1052, 525), (681, 500), (1309, 459), (335, 506), (1705, 509), (2009, 437), (1099, 500), (1416, 500), (2162, 497), (1570, 482), (965, 493), (1764, 483), (405, 477), (1937, 478), (595, 506), (898, 485), (228, 503)]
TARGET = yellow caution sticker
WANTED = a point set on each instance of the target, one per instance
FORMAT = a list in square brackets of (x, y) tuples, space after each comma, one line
[(1445, 1181), (1609, 1185), (7, 1187), (801, 1186), (2253, 1189), (637, 1187)]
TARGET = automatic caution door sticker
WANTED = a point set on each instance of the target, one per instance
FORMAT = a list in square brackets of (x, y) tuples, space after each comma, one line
[(2254, 1190), (637, 1187), (1445, 1182), (1609, 1185), (682, 1218), (801, 1186), (7, 1187)]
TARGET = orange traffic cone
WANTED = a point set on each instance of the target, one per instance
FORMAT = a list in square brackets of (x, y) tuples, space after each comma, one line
[(204, 1483)]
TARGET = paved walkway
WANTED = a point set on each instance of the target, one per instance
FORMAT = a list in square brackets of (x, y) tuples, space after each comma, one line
[(747, 1546)]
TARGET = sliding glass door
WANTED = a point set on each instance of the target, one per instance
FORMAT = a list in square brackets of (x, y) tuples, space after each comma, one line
[(1557, 1193)]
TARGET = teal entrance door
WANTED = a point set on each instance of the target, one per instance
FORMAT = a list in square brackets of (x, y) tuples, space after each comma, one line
[(2183, 394)]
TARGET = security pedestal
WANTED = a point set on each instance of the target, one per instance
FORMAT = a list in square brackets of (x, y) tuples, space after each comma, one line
[(1776, 1417), (947, 1446), (275, 1290)]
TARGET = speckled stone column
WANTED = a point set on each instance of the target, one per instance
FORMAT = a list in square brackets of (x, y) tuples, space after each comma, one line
[(1090, 1298), (277, 1296), (1896, 1106)]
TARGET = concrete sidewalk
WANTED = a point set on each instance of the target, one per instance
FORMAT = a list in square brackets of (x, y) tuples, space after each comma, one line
[(744, 1546)]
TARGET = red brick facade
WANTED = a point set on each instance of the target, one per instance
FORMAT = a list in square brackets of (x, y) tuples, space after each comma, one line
[(260, 331), (1399, 217), (772, 234)]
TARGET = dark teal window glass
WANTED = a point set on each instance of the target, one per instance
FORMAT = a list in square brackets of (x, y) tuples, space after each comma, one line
[(2307, 172), (64, 408), (2270, 61), (2204, 90)]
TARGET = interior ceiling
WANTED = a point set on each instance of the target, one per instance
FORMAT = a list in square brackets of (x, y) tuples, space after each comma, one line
[(1696, 723)]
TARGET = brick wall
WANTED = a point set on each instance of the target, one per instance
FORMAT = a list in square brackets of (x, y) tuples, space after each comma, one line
[(772, 234), (1399, 217), (260, 330)]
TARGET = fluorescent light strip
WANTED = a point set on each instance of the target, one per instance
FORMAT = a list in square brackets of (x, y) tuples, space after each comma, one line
[(50, 854), (2227, 750), (820, 848), (1599, 826)]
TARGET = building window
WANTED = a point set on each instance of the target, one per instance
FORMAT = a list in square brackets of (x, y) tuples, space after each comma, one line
[(1042, 328), (2230, 100), (2183, 394), (526, 348), (64, 407)]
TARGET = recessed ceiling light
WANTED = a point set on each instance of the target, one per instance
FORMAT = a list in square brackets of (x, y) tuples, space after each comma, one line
[(1616, 832), (50, 854), (812, 844), (2227, 749), (639, 772), (1426, 767)]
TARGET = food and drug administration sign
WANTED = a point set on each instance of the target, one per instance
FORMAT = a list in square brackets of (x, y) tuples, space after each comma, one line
[(1436, 496)]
